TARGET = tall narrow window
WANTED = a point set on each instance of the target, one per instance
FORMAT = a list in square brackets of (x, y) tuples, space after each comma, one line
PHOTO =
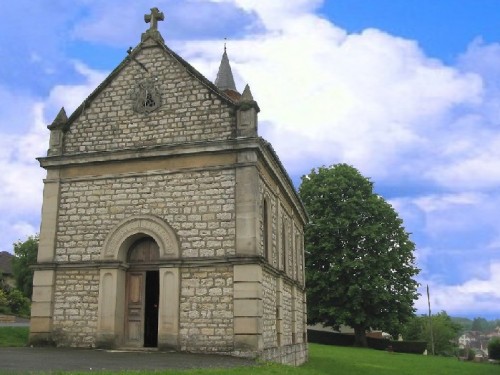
[(300, 259), (266, 229), (296, 265), (283, 245)]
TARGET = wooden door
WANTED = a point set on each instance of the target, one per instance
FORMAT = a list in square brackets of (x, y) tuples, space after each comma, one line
[(141, 321), (135, 309)]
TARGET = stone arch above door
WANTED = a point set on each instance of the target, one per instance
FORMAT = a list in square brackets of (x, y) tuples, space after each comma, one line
[(144, 250), (125, 233)]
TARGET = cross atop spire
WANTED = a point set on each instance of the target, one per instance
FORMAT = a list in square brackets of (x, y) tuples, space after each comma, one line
[(153, 18)]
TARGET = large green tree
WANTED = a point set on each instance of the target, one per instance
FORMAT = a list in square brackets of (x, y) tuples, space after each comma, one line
[(25, 254), (359, 258)]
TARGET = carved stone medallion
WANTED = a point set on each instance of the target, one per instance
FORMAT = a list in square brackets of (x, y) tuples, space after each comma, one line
[(146, 97)]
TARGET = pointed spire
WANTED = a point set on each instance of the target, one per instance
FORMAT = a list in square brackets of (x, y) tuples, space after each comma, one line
[(225, 80), (60, 119)]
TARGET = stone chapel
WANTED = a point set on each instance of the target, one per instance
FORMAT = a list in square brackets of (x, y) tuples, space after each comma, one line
[(167, 222)]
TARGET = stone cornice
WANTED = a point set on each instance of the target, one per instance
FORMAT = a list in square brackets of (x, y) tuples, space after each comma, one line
[(162, 151)]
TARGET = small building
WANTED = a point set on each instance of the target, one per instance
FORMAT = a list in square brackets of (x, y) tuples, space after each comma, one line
[(167, 222)]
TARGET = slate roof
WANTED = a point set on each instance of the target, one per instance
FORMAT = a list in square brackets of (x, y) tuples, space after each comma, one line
[(6, 262), (225, 80)]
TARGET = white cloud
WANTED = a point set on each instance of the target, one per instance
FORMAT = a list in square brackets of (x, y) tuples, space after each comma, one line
[(431, 203), (369, 99), (448, 217), (71, 96), (480, 295), (20, 175)]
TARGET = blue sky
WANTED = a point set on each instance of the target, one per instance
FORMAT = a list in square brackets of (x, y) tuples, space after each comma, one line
[(406, 91)]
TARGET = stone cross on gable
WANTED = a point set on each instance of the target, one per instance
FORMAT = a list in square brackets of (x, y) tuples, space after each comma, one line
[(154, 17)]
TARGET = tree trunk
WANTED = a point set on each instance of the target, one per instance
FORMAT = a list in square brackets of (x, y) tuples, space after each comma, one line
[(360, 336)]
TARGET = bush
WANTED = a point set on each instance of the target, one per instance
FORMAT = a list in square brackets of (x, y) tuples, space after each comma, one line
[(329, 338), (18, 303), (494, 348), (4, 303), (412, 347), (378, 344)]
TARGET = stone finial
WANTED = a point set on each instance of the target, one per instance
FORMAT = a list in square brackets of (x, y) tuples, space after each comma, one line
[(59, 121), (153, 19), (246, 100), (247, 94), (246, 116), (56, 133)]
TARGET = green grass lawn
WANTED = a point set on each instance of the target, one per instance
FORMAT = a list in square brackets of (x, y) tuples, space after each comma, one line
[(13, 336), (323, 359)]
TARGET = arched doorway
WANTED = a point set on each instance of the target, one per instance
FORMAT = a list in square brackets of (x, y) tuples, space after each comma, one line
[(142, 294), (124, 281)]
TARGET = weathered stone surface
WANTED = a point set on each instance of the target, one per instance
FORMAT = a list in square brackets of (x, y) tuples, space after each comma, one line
[(206, 309), (75, 307), (190, 111), (89, 210)]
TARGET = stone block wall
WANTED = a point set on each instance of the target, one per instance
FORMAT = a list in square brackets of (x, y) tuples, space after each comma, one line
[(286, 316), (270, 307), (75, 307), (283, 321), (190, 111), (291, 354), (200, 206), (300, 317), (206, 309)]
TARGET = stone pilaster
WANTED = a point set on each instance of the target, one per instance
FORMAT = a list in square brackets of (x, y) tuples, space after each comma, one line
[(44, 279), (168, 315), (111, 314), (248, 308), (295, 309), (247, 209), (280, 334), (50, 208), (42, 307)]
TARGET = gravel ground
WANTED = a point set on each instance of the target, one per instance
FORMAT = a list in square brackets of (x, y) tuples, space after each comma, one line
[(15, 360)]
